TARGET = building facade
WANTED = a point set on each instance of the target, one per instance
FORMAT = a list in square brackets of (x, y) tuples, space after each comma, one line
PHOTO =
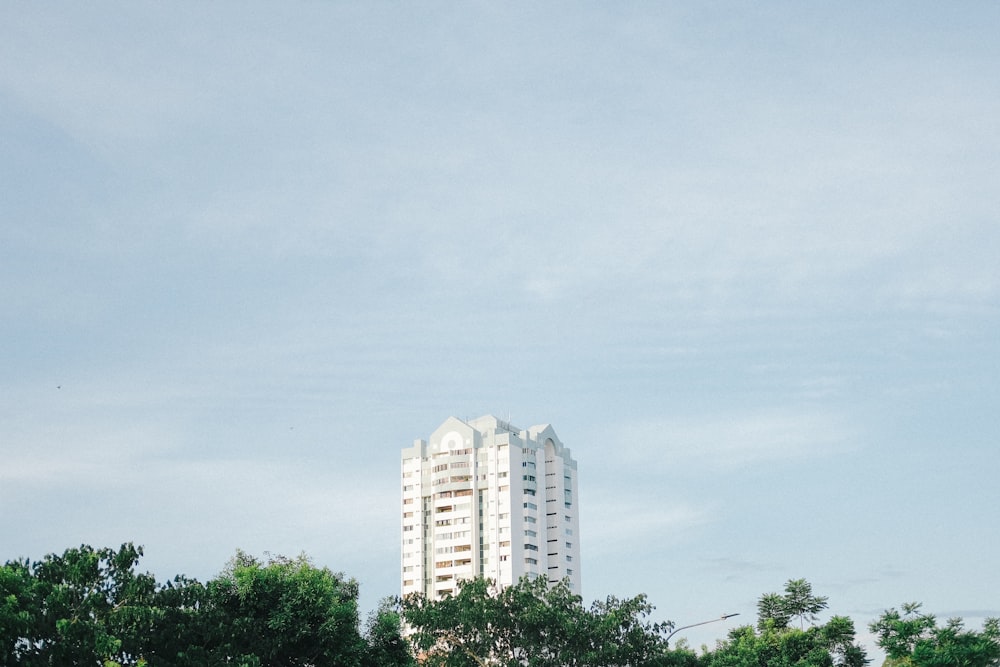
[(485, 498)]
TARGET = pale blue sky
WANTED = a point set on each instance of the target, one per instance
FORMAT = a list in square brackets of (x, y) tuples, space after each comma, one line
[(743, 258)]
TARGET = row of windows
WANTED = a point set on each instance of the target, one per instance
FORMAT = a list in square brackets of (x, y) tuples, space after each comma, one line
[(453, 479), (458, 548), (457, 521), (453, 494), (461, 534)]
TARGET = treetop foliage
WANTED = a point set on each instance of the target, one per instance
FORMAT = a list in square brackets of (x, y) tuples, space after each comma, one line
[(798, 602), (913, 638), (90, 607), (533, 624), (93, 608)]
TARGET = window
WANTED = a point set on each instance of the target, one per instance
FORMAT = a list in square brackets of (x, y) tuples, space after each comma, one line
[(531, 561), (530, 506), (530, 547), (569, 545), (530, 533), (569, 559), (407, 501)]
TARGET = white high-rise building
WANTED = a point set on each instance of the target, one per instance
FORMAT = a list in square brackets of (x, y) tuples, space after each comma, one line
[(485, 498)]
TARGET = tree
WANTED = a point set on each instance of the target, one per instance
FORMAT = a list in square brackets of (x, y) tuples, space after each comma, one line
[(797, 602), (18, 609), (898, 634), (821, 646), (385, 644), (774, 644), (84, 607), (912, 638), (180, 636), (771, 608), (531, 624), (801, 603), (282, 612)]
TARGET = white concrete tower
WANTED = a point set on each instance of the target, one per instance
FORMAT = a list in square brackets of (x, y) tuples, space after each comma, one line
[(486, 498)]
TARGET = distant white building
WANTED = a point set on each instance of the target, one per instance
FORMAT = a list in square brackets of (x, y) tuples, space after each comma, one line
[(484, 497)]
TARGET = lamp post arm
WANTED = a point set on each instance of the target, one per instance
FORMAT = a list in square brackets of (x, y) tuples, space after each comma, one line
[(694, 625)]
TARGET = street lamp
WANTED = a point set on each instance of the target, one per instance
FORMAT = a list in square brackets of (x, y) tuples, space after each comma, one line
[(714, 620)]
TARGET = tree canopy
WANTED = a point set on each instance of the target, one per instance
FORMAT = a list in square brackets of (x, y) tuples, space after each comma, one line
[(91, 607), (775, 643), (798, 602), (914, 639), (531, 624)]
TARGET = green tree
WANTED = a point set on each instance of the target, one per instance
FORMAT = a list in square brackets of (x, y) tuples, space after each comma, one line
[(801, 603), (531, 624), (18, 610), (914, 639), (775, 644), (819, 646), (181, 635), (771, 608), (385, 644), (798, 602), (84, 607), (282, 612)]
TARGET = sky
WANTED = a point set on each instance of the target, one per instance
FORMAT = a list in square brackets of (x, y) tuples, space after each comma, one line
[(743, 257)]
